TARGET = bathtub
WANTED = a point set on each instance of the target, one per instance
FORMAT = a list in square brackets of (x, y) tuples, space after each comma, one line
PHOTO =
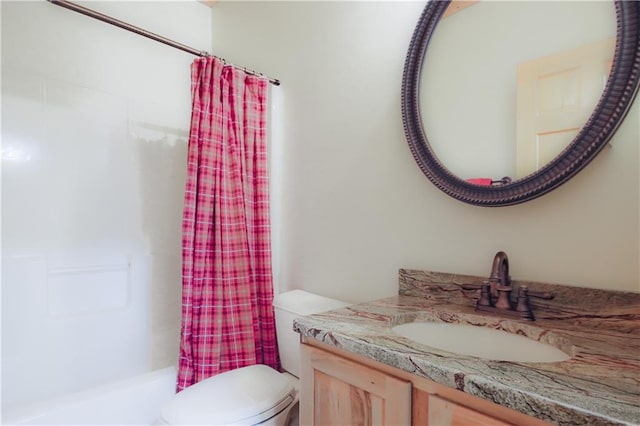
[(135, 401)]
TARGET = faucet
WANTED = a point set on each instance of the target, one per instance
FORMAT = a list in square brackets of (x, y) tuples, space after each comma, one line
[(495, 293), (500, 281)]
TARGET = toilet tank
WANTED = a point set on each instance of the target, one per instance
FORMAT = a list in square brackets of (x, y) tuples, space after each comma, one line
[(288, 306)]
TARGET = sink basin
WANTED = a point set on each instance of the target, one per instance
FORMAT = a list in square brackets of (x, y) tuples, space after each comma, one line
[(481, 342)]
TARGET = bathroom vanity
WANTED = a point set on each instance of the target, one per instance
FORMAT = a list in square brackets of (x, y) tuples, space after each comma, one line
[(357, 370), (340, 388)]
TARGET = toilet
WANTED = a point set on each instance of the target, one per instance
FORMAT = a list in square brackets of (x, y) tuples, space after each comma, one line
[(256, 394)]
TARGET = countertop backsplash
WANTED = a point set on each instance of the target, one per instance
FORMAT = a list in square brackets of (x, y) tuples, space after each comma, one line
[(611, 309)]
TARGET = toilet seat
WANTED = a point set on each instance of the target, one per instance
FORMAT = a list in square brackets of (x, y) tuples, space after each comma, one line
[(248, 396)]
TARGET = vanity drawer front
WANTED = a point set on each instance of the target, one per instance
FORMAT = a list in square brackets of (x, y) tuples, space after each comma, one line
[(442, 412)]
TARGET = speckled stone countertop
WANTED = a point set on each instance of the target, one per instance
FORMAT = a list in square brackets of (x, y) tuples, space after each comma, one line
[(599, 385)]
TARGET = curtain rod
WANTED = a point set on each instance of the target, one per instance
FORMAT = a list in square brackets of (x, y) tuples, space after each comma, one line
[(121, 24)]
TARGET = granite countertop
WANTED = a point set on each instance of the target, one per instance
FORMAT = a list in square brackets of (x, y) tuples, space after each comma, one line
[(599, 385)]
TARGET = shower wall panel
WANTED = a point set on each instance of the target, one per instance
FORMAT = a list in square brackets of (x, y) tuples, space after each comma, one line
[(94, 132)]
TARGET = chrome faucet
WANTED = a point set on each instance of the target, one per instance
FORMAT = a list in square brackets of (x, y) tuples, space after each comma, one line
[(495, 293)]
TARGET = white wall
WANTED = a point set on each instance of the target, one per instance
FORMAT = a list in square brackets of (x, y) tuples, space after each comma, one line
[(355, 207), (94, 130)]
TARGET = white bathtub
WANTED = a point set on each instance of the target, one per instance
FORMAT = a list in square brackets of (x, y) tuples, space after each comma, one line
[(135, 401)]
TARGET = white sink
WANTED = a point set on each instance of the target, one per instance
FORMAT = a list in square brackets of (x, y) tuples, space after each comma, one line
[(481, 342)]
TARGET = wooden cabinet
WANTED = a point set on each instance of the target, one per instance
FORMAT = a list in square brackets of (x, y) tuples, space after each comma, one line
[(340, 388), (337, 391), (444, 412)]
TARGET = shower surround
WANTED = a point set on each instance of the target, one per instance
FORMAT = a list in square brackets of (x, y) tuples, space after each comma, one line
[(94, 135)]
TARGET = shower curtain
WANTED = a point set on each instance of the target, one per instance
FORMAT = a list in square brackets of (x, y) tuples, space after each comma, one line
[(227, 290)]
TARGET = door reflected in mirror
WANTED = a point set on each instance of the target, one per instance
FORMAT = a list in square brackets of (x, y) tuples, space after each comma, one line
[(506, 86), (555, 97)]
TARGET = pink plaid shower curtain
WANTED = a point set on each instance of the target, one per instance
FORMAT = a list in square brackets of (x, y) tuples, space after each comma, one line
[(227, 290)]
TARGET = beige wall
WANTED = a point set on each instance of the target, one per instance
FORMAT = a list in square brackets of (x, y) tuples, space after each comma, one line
[(354, 205)]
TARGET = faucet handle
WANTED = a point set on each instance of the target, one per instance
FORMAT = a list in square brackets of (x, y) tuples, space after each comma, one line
[(540, 294), (485, 295), (474, 286), (523, 302)]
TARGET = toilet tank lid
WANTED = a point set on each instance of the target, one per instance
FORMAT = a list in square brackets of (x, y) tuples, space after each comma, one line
[(302, 302), (232, 397)]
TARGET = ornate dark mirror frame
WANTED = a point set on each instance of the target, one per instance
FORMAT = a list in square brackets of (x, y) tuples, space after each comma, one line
[(620, 90)]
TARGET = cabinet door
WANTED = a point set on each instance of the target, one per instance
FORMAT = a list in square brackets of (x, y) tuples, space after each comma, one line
[(337, 391), (446, 413)]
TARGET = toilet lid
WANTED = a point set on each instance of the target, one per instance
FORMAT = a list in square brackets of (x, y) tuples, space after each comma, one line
[(247, 395)]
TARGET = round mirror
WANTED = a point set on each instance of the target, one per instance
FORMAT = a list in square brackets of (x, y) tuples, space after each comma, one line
[(521, 104)]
